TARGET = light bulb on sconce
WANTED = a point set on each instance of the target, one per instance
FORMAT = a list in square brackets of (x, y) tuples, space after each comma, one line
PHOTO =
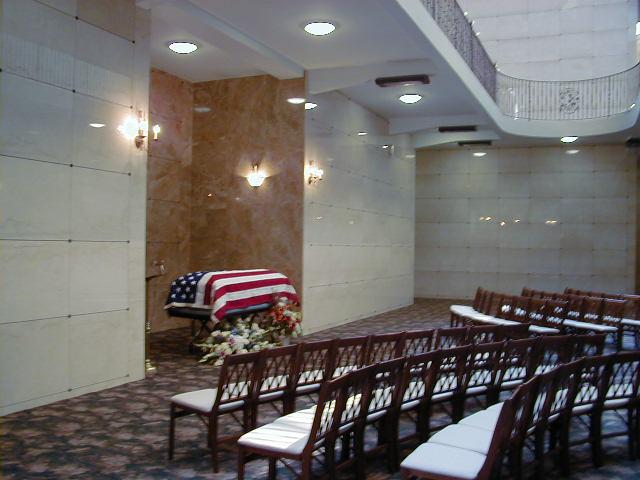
[(314, 173), (256, 177), (137, 129)]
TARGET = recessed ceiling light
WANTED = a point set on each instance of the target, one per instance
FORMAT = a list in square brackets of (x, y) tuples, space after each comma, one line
[(386, 146), (319, 29), (362, 134), (410, 98), (568, 139), (310, 105), (572, 152), (296, 100), (479, 154), (96, 125), (201, 109), (183, 48)]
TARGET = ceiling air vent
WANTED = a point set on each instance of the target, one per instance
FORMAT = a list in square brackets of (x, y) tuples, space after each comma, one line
[(475, 143), (403, 80), (461, 128)]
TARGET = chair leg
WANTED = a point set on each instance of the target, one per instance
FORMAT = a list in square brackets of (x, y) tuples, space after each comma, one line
[(358, 452), (346, 447), (515, 460), (272, 468), (539, 454), (632, 436), (213, 438), (172, 430), (596, 438), (240, 463), (306, 468), (565, 463)]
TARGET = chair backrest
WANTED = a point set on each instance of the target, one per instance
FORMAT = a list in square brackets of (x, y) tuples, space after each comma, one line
[(354, 399), (544, 399), (535, 311), (514, 363), (327, 412), (523, 401), (477, 299), (485, 301), (449, 376), (416, 342), (482, 365), (349, 354), (567, 380), (499, 441), (555, 312), (591, 385), (526, 292), (504, 307), (514, 332), (591, 310), (551, 352), (417, 374), (314, 362), (477, 334), (588, 345), (573, 310), (385, 385), (277, 370), (519, 310), (613, 311), (623, 378), (450, 337), (572, 291), (383, 347), (493, 304), (238, 377)]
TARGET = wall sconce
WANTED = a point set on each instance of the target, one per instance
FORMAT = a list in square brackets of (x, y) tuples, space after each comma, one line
[(314, 173), (137, 129), (256, 177)]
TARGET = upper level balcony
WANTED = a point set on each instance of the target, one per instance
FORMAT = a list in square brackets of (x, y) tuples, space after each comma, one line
[(521, 98)]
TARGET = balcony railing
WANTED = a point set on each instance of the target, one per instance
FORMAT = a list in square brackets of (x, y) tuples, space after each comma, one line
[(535, 99)]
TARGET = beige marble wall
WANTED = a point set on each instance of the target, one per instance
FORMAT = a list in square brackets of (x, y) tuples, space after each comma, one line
[(232, 224), (168, 189)]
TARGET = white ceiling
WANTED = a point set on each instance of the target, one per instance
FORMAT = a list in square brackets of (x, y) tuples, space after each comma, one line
[(374, 38)]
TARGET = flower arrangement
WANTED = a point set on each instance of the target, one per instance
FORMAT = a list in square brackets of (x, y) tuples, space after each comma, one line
[(253, 333), (285, 319)]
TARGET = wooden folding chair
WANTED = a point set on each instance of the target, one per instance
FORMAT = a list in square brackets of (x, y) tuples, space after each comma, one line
[(234, 394), (479, 376), (313, 367), (450, 337)]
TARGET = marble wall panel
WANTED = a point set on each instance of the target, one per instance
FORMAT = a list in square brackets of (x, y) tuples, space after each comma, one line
[(234, 225), (556, 220)]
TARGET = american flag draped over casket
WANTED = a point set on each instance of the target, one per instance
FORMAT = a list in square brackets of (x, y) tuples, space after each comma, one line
[(230, 290)]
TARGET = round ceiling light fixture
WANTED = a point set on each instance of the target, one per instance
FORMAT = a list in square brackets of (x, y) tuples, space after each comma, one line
[(362, 134), (201, 109), (319, 29), (183, 48), (296, 100), (479, 154), (96, 125), (410, 98), (572, 152), (568, 139), (310, 105)]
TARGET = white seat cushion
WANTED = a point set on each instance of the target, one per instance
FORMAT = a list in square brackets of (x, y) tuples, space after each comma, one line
[(484, 419), (590, 326), (202, 401), (464, 436), (279, 438), (628, 322), (301, 420), (439, 459), (461, 309), (543, 330)]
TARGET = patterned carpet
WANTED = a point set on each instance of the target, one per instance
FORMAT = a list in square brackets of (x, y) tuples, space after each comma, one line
[(122, 432)]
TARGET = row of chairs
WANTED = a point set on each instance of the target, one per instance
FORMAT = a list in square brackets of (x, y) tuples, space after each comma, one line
[(378, 394), (629, 324), (546, 315), (280, 375), (539, 415)]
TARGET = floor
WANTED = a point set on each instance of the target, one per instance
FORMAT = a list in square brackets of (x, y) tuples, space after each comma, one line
[(122, 432)]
